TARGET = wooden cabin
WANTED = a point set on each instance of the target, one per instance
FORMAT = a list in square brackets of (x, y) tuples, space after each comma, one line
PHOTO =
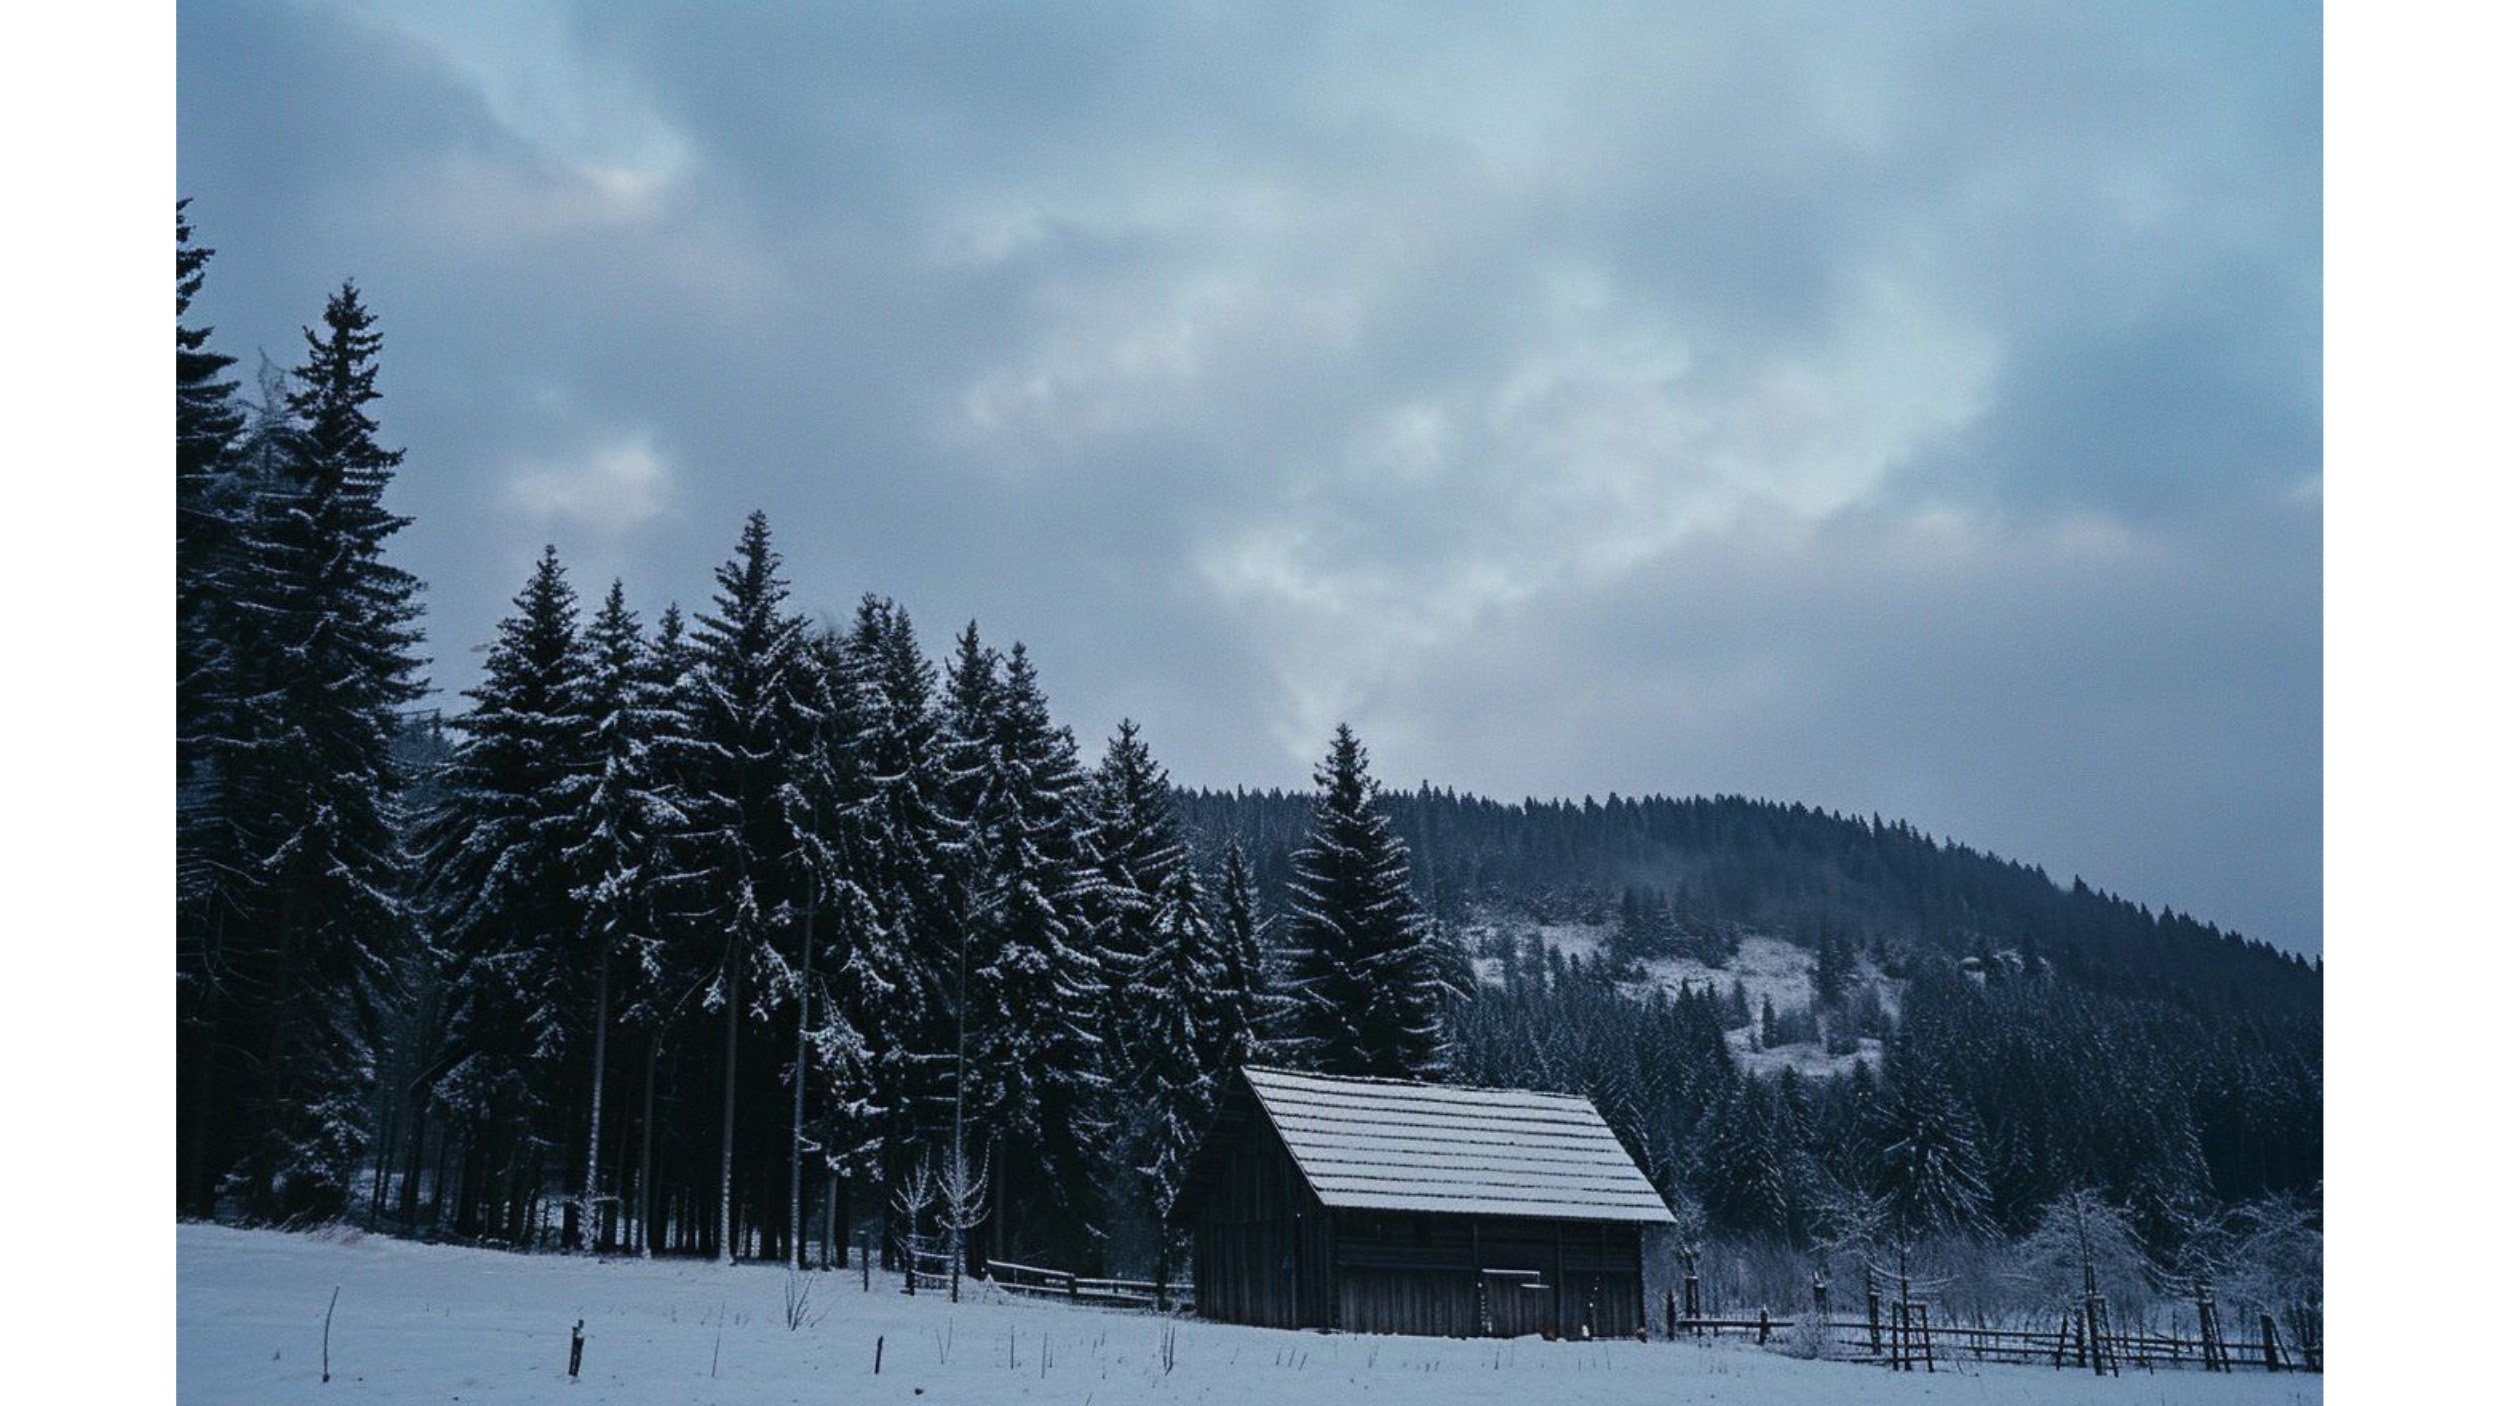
[(1387, 1206)]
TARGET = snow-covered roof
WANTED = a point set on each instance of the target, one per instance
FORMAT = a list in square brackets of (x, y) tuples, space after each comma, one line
[(1392, 1145)]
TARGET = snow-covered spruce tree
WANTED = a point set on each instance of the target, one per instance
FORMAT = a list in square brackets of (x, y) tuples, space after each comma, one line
[(1753, 1169), (668, 981), (1933, 1178), (502, 892), (825, 805), (1030, 985), (208, 421), (1246, 1009), (617, 812), (860, 991), (895, 988), (970, 715), (1136, 846), (1180, 1046), (1365, 974), (312, 786), (752, 705)]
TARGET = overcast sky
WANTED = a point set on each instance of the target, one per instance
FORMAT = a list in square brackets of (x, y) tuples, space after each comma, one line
[(1909, 409)]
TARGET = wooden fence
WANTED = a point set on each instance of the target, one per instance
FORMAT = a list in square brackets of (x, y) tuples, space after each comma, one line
[(1902, 1336), (1037, 1282)]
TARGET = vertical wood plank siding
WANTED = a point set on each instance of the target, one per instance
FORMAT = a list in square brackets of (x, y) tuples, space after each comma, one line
[(1269, 1252), (1389, 1272)]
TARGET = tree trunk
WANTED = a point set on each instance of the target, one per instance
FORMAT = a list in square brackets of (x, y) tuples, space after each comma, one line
[(798, 1089), (383, 1148), (416, 1163), (598, 1090), (726, 1251), (642, 1177)]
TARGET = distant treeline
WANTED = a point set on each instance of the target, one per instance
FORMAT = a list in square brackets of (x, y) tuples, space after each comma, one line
[(1686, 874)]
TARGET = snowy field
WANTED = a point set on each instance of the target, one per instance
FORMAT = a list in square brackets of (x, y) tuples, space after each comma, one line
[(419, 1323)]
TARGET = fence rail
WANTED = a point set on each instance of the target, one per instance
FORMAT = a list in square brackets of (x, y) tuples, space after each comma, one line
[(1905, 1341), (1041, 1282)]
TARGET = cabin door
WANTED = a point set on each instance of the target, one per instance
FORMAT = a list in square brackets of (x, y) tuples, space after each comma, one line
[(1518, 1303)]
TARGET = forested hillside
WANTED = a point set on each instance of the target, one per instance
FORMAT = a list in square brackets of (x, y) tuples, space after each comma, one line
[(2003, 1042), (1688, 874)]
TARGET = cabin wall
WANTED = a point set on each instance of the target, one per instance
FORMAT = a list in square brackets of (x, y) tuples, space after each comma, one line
[(1461, 1276), (1262, 1240)]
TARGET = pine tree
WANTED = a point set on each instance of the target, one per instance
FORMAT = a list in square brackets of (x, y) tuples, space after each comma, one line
[(1933, 1176), (208, 422), (1179, 1048), (502, 887), (1365, 977), (1831, 973), (311, 779), (1136, 847), (1246, 1010), (619, 814), (1747, 1163), (897, 981), (754, 699), (1032, 987), (667, 976), (826, 803)]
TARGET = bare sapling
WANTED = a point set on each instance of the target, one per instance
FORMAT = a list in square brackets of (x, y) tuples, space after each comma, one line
[(964, 1203), (913, 1196), (325, 1332), (797, 1287)]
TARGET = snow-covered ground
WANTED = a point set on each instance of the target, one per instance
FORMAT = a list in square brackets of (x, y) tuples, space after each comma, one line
[(418, 1323)]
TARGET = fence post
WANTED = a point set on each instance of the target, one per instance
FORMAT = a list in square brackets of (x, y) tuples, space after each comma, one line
[(1762, 1338), (1692, 1281), (2209, 1329), (2274, 1350)]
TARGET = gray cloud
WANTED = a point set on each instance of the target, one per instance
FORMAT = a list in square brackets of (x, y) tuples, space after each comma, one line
[(1911, 408)]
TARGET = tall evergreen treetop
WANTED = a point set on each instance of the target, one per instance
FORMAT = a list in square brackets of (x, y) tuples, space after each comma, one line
[(755, 700), (1366, 974), (1136, 846), (207, 422), (1180, 1038), (497, 856), (624, 800), (1246, 1010), (498, 870)]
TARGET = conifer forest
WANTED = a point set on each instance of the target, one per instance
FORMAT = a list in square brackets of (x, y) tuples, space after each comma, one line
[(767, 926)]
